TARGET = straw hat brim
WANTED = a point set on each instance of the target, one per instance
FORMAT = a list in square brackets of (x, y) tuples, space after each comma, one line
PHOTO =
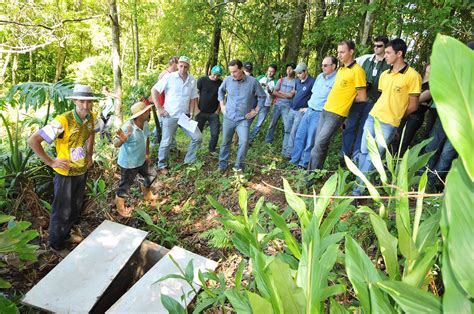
[(140, 112)]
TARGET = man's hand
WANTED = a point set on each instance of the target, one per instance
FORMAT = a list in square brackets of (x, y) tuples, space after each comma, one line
[(251, 114), (162, 112), (60, 163), (124, 137), (303, 110)]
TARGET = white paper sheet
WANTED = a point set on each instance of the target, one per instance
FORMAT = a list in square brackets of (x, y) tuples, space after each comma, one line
[(188, 123)]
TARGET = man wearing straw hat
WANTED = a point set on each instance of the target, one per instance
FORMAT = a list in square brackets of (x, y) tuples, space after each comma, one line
[(73, 134), (134, 156)]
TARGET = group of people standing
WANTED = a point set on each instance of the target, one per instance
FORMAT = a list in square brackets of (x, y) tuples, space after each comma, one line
[(382, 88)]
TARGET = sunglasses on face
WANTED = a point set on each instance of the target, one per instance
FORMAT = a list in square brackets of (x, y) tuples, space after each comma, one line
[(378, 46), (326, 65)]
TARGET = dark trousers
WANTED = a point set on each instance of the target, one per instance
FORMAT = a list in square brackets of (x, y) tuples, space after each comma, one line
[(127, 176), (66, 208), (327, 127), (214, 124)]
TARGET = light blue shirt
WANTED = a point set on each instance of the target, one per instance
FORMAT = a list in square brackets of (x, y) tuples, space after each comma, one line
[(132, 153), (285, 85), (321, 88), (240, 95)]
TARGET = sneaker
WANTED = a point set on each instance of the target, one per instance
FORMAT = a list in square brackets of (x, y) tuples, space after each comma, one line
[(235, 169)]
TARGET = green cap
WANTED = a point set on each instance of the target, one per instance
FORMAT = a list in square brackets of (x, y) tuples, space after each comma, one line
[(217, 69)]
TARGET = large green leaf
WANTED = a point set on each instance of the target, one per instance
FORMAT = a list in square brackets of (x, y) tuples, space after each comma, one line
[(458, 210), (410, 299), (336, 308), (292, 296), (259, 304), (387, 242), (353, 168), (238, 301), (309, 264), (289, 239), (451, 77), (296, 203), (427, 233), (171, 305), (423, 264), (455, 299), (361, 272), (327, 191), (334, 216)]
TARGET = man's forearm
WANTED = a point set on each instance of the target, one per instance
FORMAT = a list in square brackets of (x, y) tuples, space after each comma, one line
[(35, 143)]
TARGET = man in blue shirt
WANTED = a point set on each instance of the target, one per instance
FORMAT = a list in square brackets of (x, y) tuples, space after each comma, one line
[(303, 87), (306, 133), (237, 110)]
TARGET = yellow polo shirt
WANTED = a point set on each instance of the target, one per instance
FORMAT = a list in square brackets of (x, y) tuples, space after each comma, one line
[(396, 87), (344, 91), (70, 133)]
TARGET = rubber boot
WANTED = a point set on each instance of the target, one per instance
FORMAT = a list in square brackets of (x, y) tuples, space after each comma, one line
[(148, 195), (121, 209)]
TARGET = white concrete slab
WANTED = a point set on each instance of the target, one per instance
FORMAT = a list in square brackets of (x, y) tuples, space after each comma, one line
[(145, 295), (77, 282)]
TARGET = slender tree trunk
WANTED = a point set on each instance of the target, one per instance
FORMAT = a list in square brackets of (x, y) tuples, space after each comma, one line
[(4, 68), (61, 57), (137, 44), (32, 67), (216, 39), (295, 33), (368, 24), (115, 27), (14, 68)]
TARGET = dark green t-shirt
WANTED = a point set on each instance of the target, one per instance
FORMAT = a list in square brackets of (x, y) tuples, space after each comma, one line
[(373, 70)]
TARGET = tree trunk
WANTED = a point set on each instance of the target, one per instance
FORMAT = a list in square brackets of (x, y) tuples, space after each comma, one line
[(61, 57), (295, 33), (137, 45), (4, 68), (32, 67), (216, 39), (115, 27), (368, 24), (14, 68)]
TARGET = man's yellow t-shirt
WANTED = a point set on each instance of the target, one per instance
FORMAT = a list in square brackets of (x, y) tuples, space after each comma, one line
[(70, 133), (344, 91), (396, 88)]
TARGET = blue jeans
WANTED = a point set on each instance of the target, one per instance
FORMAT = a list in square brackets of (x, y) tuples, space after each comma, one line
[(304, 139), (352, 134), (294, 119), (365, 163), (228, 130), (444, 156), (262, 114), (170, 125), (278, 110), (328, 124), (214, 125)]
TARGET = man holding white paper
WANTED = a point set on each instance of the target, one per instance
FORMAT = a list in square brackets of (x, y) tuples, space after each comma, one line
[(181, 97)]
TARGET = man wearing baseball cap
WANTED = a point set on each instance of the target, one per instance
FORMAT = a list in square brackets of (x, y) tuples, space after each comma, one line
[(208, 87), (181, 96), (133, 138), (73, 134)]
